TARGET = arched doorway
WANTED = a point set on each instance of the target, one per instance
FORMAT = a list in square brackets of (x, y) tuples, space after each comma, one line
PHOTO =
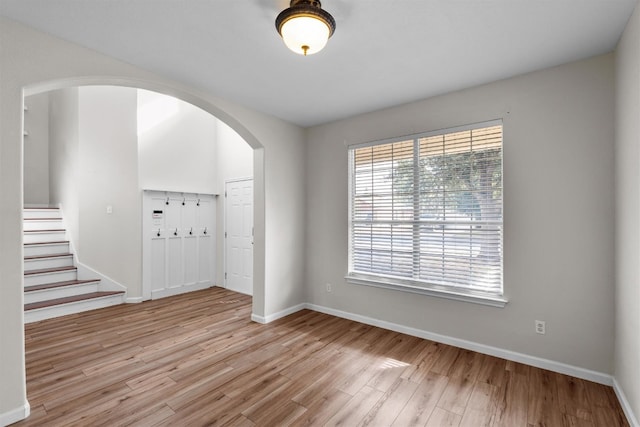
[(85, 151), (214, 110)]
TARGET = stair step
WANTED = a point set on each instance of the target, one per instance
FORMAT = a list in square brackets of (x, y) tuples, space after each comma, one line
[(34, 257), (67, 300), (66, 306), (50, 275), (51, 285), (56, 290), (29, 213), (50, 248), (41, 208), (33, 224), (49, 270), (36, 262), (43, 236), (43, 219), (59, 242), (54, 285)]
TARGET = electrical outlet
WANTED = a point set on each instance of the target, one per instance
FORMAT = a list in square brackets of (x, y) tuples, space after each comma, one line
[(328, 287), (541, 327)]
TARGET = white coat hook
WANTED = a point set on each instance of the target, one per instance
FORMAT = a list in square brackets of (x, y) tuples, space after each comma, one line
[(198, 204), (183, 200), (175, 233), (205, 230), (158, 232), (167, 202), (191, 231)]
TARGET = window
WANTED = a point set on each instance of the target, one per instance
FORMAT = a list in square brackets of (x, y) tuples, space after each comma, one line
[(426, 213)]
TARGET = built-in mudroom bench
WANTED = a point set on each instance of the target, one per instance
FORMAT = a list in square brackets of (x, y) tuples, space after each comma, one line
[(178, 242)]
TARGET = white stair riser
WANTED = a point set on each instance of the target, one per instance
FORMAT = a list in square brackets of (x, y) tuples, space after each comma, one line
[(41, 213), (41, 279), (44, 237), (54, 262), (46, 249), (40, 241), (43, 225), (71, 308), (61, 292)]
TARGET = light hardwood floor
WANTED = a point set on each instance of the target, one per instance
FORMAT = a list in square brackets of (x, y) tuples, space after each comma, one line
[(197, 359)]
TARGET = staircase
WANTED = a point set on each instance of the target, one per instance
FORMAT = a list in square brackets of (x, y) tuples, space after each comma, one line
[(51, 284)]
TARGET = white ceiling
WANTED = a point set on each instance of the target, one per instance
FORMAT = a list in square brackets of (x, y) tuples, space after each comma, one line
[(383, 53)]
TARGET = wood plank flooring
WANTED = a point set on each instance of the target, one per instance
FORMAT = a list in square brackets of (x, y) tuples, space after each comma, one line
[(197, 359)]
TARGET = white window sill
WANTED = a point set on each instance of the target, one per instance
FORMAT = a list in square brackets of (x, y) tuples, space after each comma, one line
[(380, 282)]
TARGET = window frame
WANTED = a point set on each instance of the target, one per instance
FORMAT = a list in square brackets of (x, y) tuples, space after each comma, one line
[(412, 285)]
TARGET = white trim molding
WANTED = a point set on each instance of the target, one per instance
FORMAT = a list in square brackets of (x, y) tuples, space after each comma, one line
[(279, 315), (397, 285), (15, 415), (526, 359), (258, 319), (626, 407), (168, 292), (538, 362), (106, 283)]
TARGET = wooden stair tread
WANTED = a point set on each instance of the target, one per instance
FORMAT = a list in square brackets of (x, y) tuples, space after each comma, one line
[(67, 300), (59, 242), (47, 256), (43, 248), (49, 270), (53, 285)]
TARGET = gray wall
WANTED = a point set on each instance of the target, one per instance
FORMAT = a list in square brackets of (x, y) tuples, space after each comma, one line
[(64, 157), (36, 150), (179, 153), (108, 176), (94, 164), (627, 345), (558, 210)]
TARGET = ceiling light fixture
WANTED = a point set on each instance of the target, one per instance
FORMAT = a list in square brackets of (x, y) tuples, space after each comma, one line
[(305, 27)]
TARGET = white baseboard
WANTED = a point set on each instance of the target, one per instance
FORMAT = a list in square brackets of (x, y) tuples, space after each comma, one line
[(526, 359), (258, 319), (167, 292), (279, 315), (626, 407), (15, 415), (133, 300)]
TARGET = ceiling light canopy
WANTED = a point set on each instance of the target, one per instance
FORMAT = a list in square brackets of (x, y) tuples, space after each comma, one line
[(305, 27)]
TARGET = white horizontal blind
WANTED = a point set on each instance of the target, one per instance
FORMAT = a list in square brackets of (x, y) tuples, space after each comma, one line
[(427, 210)]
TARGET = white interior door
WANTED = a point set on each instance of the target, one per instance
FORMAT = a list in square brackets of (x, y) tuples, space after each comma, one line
[(239, 236)]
